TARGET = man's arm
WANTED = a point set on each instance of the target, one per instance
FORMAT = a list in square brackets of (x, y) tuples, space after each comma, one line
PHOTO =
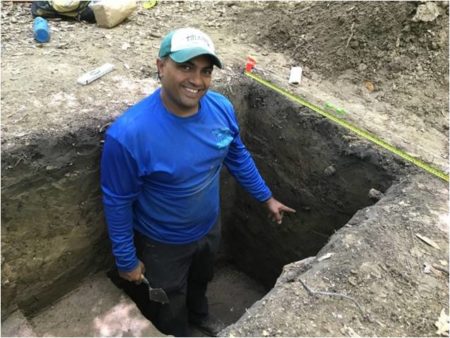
[(241, 165), (121, 185)]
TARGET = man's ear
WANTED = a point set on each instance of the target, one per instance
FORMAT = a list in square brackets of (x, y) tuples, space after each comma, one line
[(160, 63)]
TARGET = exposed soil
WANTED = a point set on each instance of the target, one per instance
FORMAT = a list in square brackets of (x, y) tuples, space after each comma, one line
[(386, 67), (387, 71), (379, 262)]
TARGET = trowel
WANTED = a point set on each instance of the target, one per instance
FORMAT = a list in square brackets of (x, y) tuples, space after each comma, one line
[(155, 294)]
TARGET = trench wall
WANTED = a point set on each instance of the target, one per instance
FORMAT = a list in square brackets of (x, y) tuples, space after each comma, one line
[(311, 165), (53, 233)]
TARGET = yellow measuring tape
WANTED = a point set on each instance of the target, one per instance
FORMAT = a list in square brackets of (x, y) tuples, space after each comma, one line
[(363, 133)]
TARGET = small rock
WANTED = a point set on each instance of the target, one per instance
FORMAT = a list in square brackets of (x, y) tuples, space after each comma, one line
[(329, 171), (375, 194), (434, 45), (426, 12), (362, 67), (354, 44), (352, 281)]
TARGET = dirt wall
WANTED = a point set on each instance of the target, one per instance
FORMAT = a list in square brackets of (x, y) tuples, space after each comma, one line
[(312, 165), (53, 232)]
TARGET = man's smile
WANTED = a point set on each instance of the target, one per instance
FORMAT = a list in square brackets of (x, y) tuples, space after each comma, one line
[(191, 92), (194, 91)]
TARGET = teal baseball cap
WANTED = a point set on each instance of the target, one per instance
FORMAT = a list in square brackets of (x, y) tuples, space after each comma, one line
[(184, 44)]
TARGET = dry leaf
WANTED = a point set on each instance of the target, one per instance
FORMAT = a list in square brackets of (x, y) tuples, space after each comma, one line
[(442, 324), (428, 241), (349, 332), (438, 269), (370, 86), (326, 256)]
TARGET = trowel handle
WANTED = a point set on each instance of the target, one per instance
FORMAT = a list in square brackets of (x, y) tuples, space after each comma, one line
[(145, 280)]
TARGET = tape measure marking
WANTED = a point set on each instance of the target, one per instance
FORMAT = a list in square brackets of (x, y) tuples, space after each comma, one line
[(363, 133)]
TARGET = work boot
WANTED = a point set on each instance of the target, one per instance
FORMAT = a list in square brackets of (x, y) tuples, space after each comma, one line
[(209, 325)]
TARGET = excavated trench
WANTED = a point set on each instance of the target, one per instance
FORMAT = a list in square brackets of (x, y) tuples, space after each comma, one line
[(310, 164)]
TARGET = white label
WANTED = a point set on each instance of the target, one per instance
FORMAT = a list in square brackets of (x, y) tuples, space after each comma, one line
[(88, 77), (296, 75)]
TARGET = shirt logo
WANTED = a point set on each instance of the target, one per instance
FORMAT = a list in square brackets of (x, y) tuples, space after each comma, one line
[(224, 136)]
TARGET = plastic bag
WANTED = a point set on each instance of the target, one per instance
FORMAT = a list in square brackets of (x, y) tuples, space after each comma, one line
[(109, 13)]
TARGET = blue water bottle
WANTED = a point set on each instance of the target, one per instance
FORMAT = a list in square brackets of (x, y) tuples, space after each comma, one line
[(41, 30)]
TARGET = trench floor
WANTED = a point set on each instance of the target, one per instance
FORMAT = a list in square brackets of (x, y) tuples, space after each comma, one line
[(98, 308), (230, 294)]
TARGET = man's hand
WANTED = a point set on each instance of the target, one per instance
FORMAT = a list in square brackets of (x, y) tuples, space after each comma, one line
[(277, 209), (135, 275)]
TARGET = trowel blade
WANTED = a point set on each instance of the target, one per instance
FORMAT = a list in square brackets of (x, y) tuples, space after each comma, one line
[(157, 294)]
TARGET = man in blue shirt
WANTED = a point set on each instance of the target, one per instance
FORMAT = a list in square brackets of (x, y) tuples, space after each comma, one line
[(160, 181)]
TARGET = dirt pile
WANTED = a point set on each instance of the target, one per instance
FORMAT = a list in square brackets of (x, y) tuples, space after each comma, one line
[(378, 46)]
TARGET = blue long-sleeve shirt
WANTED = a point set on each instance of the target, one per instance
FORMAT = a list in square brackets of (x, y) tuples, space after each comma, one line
[(160, 172)]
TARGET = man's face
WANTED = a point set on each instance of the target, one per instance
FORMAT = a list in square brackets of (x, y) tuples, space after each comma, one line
[(184, 84)]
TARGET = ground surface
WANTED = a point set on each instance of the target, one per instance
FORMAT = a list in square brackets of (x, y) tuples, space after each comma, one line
[(388, 71)]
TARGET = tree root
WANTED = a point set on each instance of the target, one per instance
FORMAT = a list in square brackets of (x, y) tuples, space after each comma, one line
[(314, 293)]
